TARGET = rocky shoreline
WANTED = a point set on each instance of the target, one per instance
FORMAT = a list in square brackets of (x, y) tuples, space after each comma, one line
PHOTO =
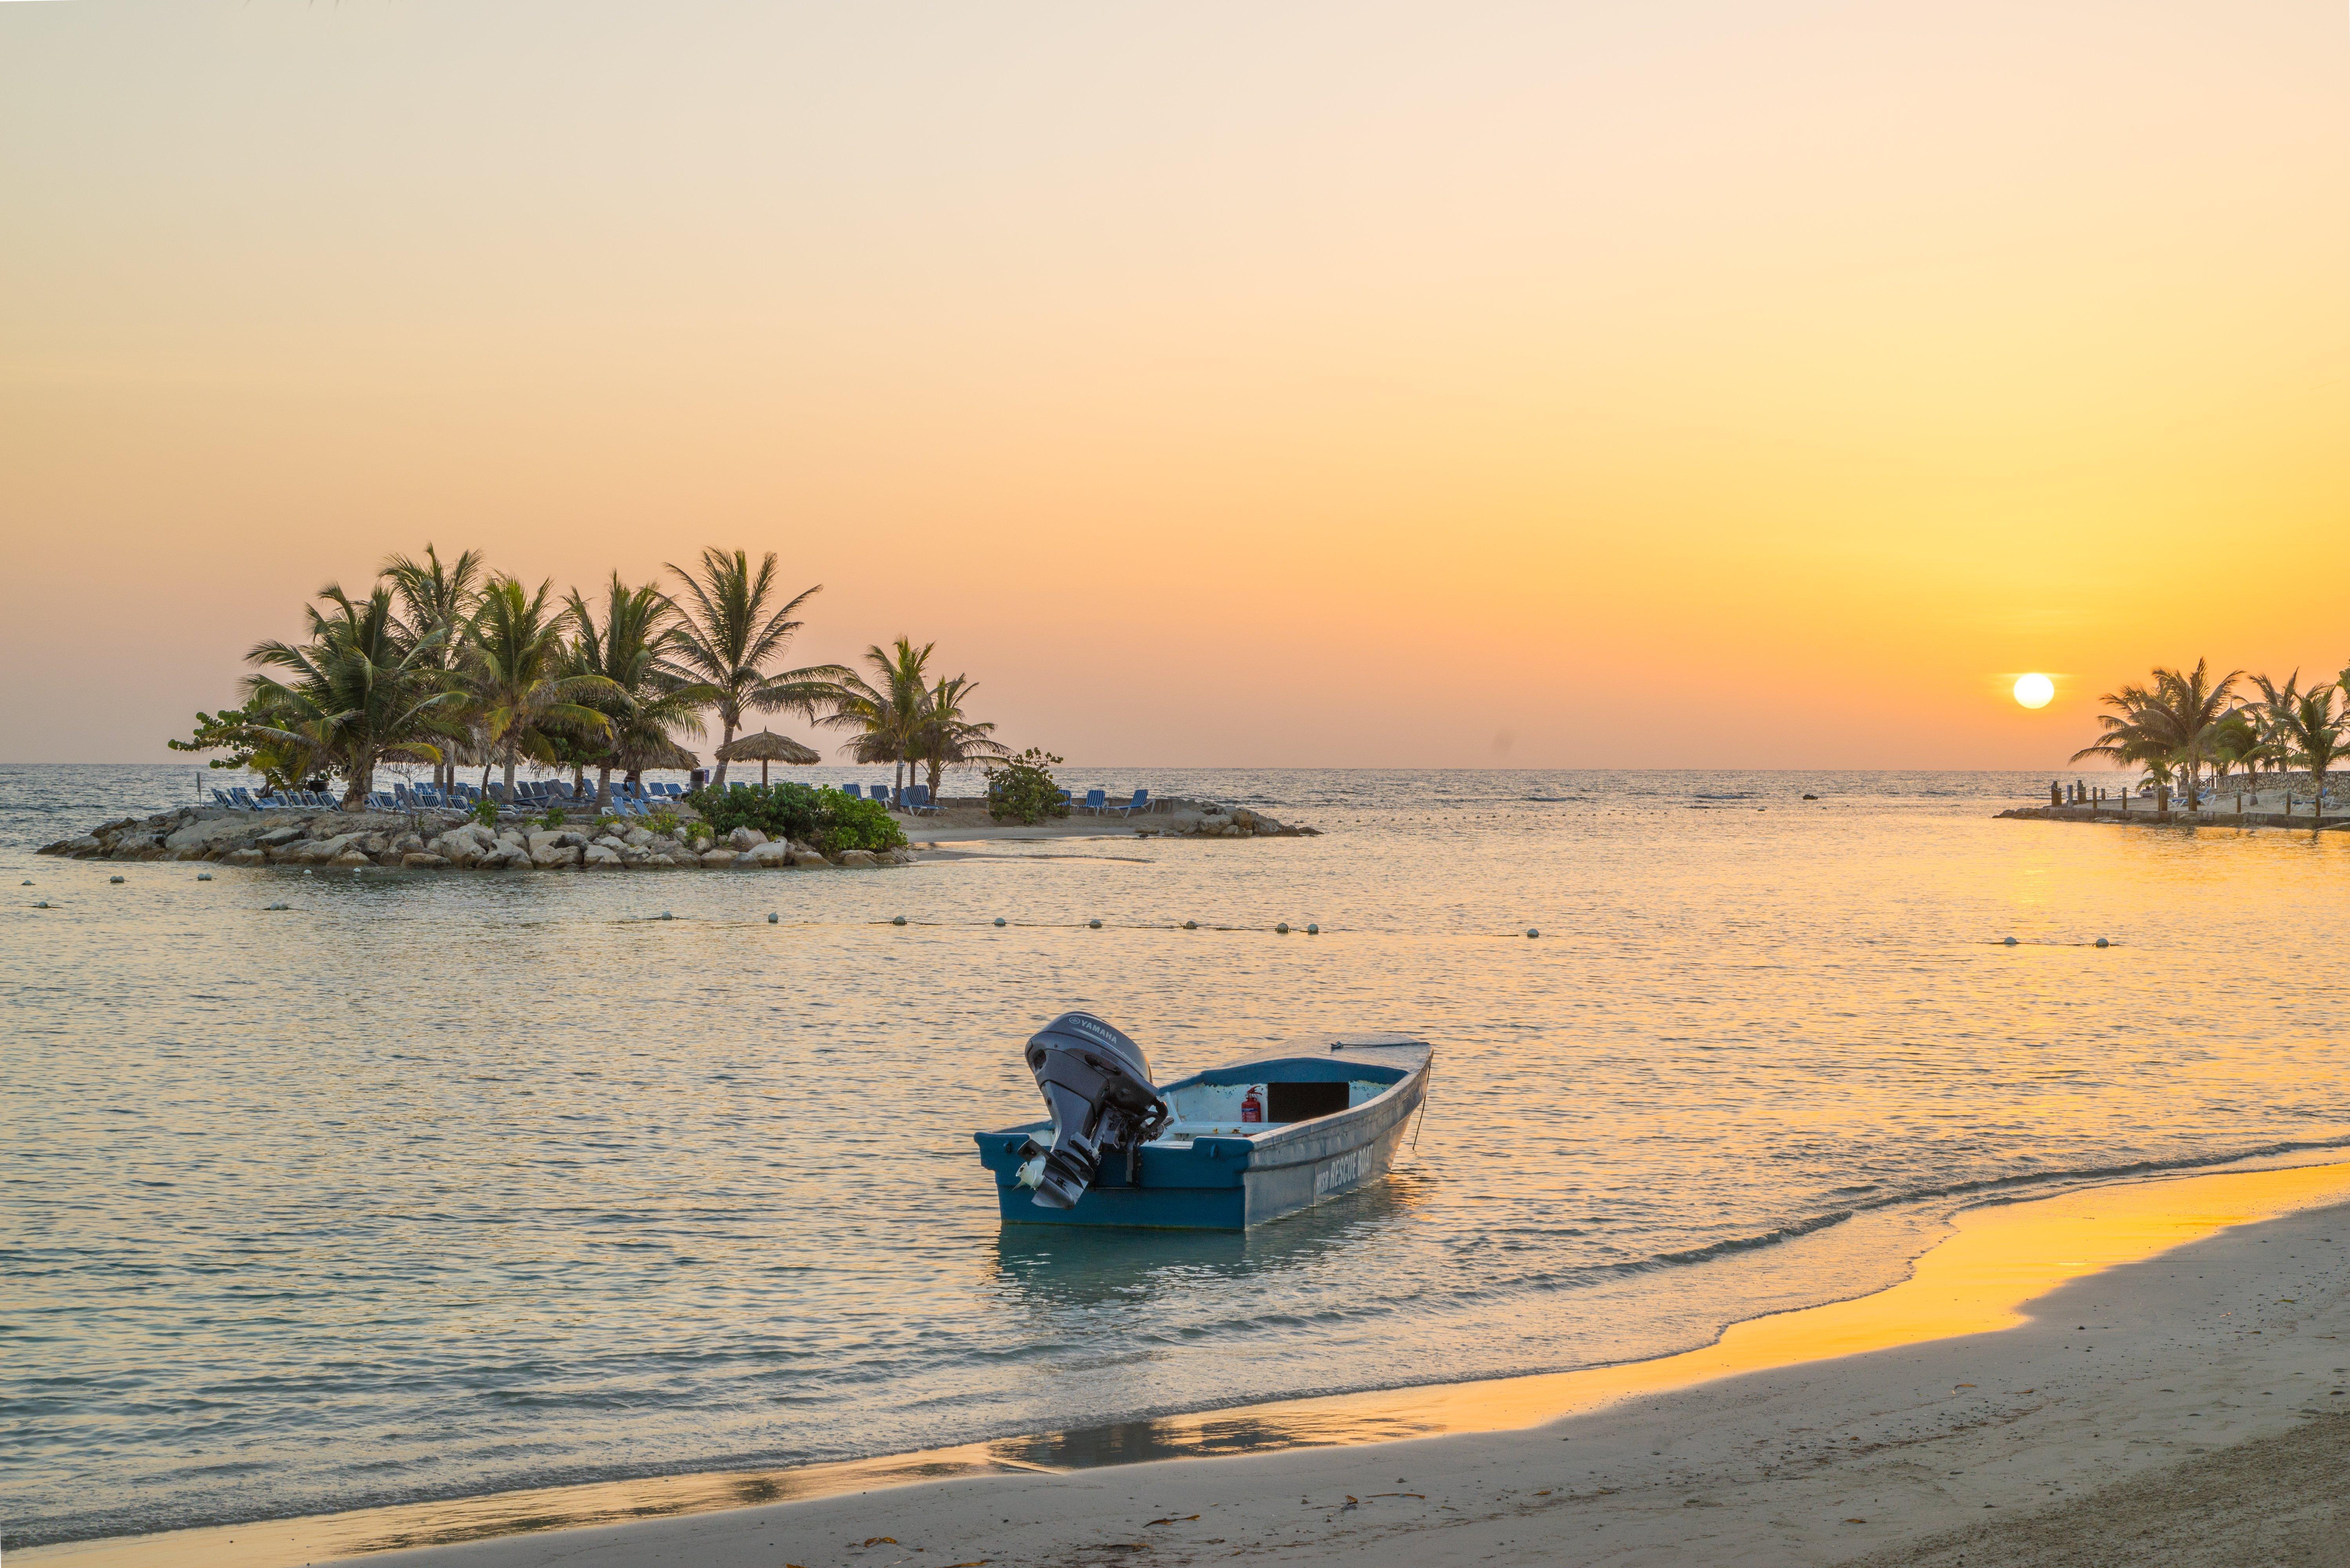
[(432, 841), (429, 841), (2181, 817)]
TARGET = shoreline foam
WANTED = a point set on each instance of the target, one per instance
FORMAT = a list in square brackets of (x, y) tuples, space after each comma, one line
[(1964, 1299)]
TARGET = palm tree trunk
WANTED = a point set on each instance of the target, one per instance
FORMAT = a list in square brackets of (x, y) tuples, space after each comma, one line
[(510, 767), (604, 783), (726, 725)]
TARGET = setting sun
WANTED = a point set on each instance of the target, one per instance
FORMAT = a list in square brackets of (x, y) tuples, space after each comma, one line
[(2034, 690)]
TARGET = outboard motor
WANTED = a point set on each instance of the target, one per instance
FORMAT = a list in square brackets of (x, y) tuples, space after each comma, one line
[(1098, 1088)]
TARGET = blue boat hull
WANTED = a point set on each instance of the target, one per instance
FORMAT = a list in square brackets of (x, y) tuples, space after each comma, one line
[(1220, 1183)]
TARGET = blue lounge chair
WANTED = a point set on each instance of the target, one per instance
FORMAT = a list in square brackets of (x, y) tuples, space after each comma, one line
[(1065, 797), (1141, 802), (852, 792), (916, 799), (401, 798), (220, 797), (1095, 800)]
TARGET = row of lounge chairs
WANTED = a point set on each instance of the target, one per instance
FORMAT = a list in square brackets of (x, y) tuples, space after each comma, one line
[(1097, 802)]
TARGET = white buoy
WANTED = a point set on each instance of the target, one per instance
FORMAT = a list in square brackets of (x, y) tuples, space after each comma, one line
[(772, 918), (42, 905), (667, 916), (25, 883), (203, 876), (999, 919), (1191, 925), (1532, 933), (2102, 943), (898, 921), (1312, 930), (1095, 925), (2008, 942), (1282, 929), (114, 878), (281, 906)]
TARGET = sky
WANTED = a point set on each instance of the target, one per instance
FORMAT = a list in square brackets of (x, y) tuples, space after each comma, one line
[(1588, 383)]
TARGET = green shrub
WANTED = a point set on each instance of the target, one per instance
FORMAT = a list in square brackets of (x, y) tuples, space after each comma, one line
[(825, 818), (665, 823), (1023, 790), (554, 817), (485, 812)]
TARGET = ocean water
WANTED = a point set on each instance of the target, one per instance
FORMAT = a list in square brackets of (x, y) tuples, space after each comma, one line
[(442, 1184)]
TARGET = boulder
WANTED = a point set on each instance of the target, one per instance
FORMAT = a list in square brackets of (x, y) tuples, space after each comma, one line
[(244, 858), (632, 856), (505, 856), (417, 860), (718, 858), (802, 856), (376, 843), (744, 838), (549, 857), (611, 841), (278, 836), (596, 858), (354, 856), (769, 856), (857, 859), (659, 862), (136, 847), (637, 837), (212, 832)]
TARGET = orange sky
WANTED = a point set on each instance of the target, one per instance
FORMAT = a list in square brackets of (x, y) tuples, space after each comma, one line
[(1645, 383)]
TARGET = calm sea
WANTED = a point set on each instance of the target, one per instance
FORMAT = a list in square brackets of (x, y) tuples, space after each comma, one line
[(432, 1185)]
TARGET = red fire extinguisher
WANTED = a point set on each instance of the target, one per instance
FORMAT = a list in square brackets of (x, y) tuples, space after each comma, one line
[(1252, 1105)]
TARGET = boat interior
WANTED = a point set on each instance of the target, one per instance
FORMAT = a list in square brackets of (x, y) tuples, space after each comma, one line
[(1209, 1105)]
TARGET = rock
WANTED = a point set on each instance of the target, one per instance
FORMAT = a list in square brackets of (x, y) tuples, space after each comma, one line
[(611, 841), (136, 847), (408, 843), (857, 859), (417, 860), (509, 834), (637, 837), (769, 856), (632, 856), (354, 856), (549, 857), (659, 862), (744, 838), (801, 854), (505, 856), (278, 836), (220, 832), (596, 858), (718, 858), (375, 843), (244, 858)]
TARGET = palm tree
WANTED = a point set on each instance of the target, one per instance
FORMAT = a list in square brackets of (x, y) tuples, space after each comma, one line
[(886, 712), (652, 699), (435, 602), (515, 673), (2313, 737), (2172, 724), (728, 633), (944, 735), (358, 693)]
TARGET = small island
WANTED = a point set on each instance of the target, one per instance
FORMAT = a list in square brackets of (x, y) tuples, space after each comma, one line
[(448, 667)]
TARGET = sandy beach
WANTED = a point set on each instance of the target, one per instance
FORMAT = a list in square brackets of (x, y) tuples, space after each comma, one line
[(2151, 1372)]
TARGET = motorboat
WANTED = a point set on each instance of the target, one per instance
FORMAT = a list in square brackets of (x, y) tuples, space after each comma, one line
[(1223, 1149)]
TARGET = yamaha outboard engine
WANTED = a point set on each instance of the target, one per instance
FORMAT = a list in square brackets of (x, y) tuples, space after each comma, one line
[(1098, 1088)]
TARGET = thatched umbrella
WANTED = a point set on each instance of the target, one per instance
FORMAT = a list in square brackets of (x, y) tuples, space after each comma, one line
[(765, 747), (664, 755)]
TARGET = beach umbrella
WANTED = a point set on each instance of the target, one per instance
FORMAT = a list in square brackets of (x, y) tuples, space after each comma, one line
[(765, 747), (663, 755)]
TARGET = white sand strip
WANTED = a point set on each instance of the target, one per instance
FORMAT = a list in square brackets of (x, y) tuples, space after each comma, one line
[(2164, 1321)]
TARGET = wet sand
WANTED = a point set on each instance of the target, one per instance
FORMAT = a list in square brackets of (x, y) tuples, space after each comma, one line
[(2146, 1371)]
